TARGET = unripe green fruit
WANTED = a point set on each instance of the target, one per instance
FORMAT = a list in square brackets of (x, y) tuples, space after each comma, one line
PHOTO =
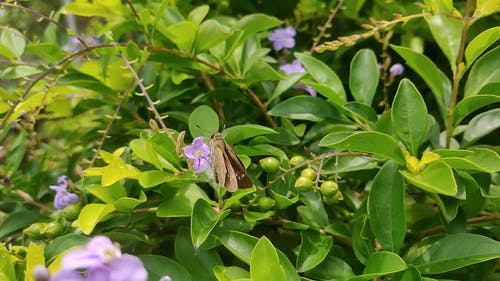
[(297, 160), (309, 173), (53, 229), (35, 231), (70, 212), (329, 188), (269, 164), (333, 199), (303, 184), (235, 205), (266, 203)]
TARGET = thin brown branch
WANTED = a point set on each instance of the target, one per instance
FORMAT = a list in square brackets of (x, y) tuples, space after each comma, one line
[(316, 159), (459, 71), (44, 17), (262, 107), (136, 15), (327, 25), (144, 92)]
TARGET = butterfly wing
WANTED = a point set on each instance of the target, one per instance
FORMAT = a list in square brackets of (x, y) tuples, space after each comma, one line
[(228, 169)]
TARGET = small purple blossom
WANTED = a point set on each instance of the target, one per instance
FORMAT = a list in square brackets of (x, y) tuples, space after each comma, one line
[(199, 152), (396, 69), (41, 273), (63, 197), (101, 259), (283, 38), (294, 67), (166, 278)]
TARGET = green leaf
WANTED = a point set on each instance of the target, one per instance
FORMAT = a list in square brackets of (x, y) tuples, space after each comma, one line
[(436, 177), (362, 112), (437, 81), (91, 214), (17, 221), (254, 23), (260, 71), (13, 40), (486, 7), (7, 272), (285, 84), (409, 116), (181, 34), (63, 243), (370, 142), (307, 108), (145, 150), (34, 257), (155, 177), (159, 266), (203, 121), (480, 43), (325, 76), (197, 15), (481, 125), (238, 243), (238, 133), (209, 34), (182, 203), (379, 264), (203, 221), (200, 262), (471, 104), (386, 208), (481, 159), (109, 11), (483, 72), (332, 268), (19, 71), (447, 32), (228, 273), (364, 76), (313, 249), (108, 194), (445, 255), (265, 263)]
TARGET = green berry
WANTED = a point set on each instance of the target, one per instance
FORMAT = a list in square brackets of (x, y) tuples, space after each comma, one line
[(333, 199), (70, 212), (35, 231), (269, 164), (266, 203), (329, 188), (297, 160), (53, 229), (303, 184), (309, 173)]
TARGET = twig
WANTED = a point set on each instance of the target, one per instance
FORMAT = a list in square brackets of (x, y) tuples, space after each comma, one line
[(148, 98), (319, 158), (327, 25), (136, 15), (100, 143), (373, 28), (42, 16), (459, 71), (28, 198)]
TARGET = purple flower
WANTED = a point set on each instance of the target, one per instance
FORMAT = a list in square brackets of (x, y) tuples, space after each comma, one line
[(283, 38), (166, 278), (396, 69), (294, 67), (100, 260), (63, 197), (41, 273), (199, 152), (307, 88)]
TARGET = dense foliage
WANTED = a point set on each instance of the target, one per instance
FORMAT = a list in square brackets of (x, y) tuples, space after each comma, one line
[(369, 130)]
